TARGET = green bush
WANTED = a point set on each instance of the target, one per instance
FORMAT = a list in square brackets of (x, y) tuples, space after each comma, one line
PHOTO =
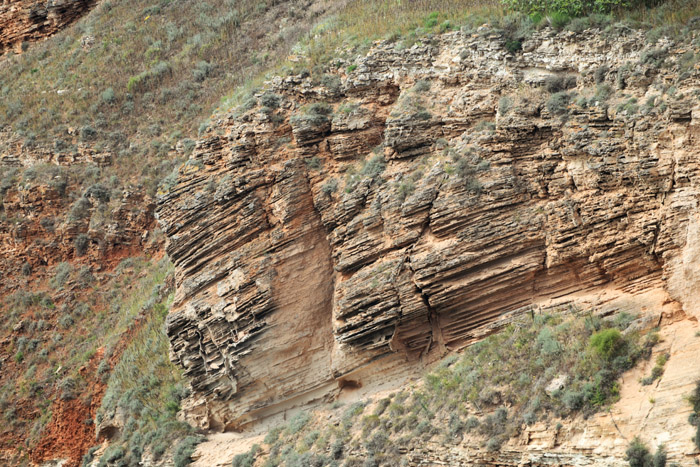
[(108, 96), (330, 187), (637, 454), (374, 167), (298, 422), (573, 7), (660, 457), (61, 275), (558, 104), (184, 450), (246, 459), (607, 343)]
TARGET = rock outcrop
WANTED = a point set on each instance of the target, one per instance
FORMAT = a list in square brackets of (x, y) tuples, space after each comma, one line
[(419, 202), (25, 21)]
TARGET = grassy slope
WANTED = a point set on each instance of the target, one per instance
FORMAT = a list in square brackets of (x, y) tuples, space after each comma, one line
[(55, 331)]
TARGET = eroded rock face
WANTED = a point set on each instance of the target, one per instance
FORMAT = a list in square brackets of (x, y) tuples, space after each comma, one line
[(438, 191), (24, 21)]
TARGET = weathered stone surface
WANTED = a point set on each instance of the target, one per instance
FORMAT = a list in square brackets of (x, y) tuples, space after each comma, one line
[(29, 21), (305, 261)]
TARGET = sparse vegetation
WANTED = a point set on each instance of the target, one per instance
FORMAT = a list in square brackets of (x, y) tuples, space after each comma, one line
[(694, 418), (490, 391), (638, 455), (147, 388), (657, 371)]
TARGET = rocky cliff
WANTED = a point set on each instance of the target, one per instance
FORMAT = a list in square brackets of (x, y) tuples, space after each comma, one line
[(337, 231), (24, 21)]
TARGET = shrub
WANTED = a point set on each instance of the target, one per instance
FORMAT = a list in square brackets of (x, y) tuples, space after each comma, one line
[(85, 277), (270, 100), (558, 83), (559, 19), (374, 167), (67, 388), (558, 103), (405, 189), (298, 422), (108, 96), (513, 45), (314, 114), (65, 321), (601, 73), (637, 454), (330, 187), (494, 444), (569, 7), (201, 71), (659, 459), (146, 79), (81, 244), (87, 133), (313, 163), (422, 86), (471, 423), (377, 442), (61, 275), (607, 343), (184, 450), (332, 82), (272, 436), (504, 105), (382, 406), (653, 57), (337, 448), (80, 209), (574, 400), (246, 459), (98, 192)]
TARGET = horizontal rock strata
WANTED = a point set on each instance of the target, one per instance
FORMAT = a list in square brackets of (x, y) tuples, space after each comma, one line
[(435, 191), (25, 21)]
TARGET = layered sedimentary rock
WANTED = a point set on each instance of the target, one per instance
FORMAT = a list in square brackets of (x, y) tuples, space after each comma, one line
[(24, 21), (330, 232)]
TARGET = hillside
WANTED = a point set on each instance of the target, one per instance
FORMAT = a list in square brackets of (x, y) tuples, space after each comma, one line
[(354, 233)]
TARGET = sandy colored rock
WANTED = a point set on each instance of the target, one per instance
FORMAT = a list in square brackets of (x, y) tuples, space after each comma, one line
[(447, 194)]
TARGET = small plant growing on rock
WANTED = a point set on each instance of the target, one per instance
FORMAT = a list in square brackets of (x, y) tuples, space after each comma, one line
[(313, 163), (246, 459), (558, 104), (315, 114), (298, 422), (330, 187), (61, 275), (559, 83), (81, 244)]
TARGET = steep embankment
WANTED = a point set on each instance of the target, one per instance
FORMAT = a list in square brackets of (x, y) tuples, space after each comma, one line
[(339, 230)]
